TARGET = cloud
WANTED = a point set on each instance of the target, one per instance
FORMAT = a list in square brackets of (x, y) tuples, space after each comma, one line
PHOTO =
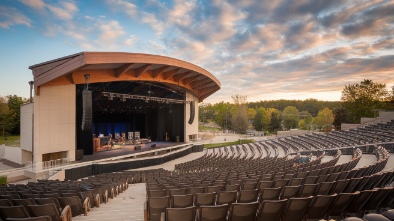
[(11, 16), (121, 5), (109, 34), (64, 11), (131, 40), (35, 4)]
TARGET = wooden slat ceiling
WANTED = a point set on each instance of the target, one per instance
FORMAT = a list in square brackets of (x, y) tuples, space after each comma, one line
[(119, 66)]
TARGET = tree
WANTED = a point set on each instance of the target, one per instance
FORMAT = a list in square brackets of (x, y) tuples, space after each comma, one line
[(257, 121), (3, 115), (324, 119), (302, 124), (340, 116), (222, 114), (239, 119), (251, 113), (261, 120), (290, 117), (206, 112), (14, 114), (275, 124), (362, 98)]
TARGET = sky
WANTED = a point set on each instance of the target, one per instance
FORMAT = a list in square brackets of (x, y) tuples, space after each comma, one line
[(264, 49)]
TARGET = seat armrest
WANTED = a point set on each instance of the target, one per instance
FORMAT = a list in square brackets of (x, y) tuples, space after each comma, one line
[(86, 206), (146, 211), (97, 200), (66, 214)]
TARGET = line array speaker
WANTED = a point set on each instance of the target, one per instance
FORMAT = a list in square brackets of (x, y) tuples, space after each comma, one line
[(192, 111), (86, 110)]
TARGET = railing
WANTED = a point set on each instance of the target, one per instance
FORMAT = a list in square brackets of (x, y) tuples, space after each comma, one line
[(46, 165)]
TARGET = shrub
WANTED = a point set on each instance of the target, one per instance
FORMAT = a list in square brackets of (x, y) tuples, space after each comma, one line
[(3, 179)]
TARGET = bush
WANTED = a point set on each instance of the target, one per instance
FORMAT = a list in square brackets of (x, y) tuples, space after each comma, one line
[(3, 179)]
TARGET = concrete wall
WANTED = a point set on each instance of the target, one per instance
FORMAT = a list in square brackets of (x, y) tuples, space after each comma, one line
[(13, 154), (293, 133), (191, 129), (388, 115), (54, 121), (27, 126)]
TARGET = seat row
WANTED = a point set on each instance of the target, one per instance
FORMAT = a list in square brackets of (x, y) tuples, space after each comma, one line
[(335, 206)]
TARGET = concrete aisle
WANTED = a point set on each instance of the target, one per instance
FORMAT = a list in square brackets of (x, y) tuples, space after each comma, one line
[(127, 206)]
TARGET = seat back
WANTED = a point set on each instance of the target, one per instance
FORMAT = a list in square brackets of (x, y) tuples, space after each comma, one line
[(226, 197), (157, 193), (75, 204), (232, 187), (182, 201), (184, 214), (5, 202), (243, 211), (213, 189), (205, 199), (289, 192), (38, 218), (319, 206), (213, 213), (13, 212), (157, 205), (45, 210), (271, 210), (296, 208), (247, 196), (23, 202), (340, 204), (194, 190), (324, 188), (42, 201), (264, 184), (307, 190), (270, 194)]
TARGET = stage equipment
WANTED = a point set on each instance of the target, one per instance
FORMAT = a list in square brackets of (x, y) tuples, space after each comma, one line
[(192, 111), (86, 106), (123, 97)]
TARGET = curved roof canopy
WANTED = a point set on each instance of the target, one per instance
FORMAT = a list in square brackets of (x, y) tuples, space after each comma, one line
[(121, 66)]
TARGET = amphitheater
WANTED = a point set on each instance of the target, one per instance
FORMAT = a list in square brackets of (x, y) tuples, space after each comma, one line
[(342, 175)]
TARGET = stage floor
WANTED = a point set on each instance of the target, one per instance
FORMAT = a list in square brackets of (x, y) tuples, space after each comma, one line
[(119, 150)]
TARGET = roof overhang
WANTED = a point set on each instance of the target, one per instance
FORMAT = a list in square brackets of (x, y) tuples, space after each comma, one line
[(121, 66)]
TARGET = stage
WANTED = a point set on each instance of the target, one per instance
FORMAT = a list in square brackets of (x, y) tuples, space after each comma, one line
[(121, 150)]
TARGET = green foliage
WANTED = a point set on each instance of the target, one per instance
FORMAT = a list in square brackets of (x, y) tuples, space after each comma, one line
[(257, 121), (311, 105), (325, 117), (261, 121), (251, 113), (206, 112), (206, 128), (3, 180), (13, 117), (275, 124), (302, 124), (213, 145), (362, 98), (239, 119), (340, 115), (290, 117)]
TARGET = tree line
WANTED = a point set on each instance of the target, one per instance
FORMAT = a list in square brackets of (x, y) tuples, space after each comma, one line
[(10, 114), (358, 100)]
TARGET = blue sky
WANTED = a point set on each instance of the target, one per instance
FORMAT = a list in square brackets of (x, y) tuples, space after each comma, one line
[(264, 49)]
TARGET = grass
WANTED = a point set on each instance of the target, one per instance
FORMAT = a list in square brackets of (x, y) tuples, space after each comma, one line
[(205, 128), (11, 141), (213, 145)]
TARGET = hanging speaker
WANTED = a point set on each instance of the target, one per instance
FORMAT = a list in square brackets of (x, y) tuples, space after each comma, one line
[(86, 110), (192, 111)]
